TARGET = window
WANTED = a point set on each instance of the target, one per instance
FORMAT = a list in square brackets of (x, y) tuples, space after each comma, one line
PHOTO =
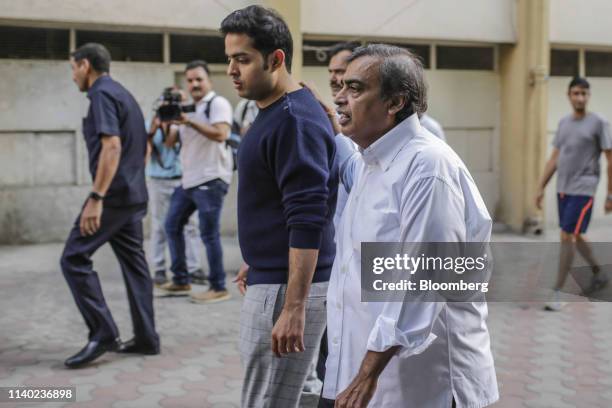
[(123, 46), (316, 53), (422, 51), (186, 48), (564, 63), (598, 64), (467, 58), (34, 43)]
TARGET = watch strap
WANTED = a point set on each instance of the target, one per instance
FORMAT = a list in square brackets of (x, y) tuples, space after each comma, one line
[(95, 196)]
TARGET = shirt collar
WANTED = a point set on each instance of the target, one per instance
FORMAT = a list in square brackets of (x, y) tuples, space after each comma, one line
[(102, 79), (383, 151), (207, 97)]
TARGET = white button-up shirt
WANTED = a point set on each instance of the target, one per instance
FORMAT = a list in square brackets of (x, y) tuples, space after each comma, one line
[(409, 186), (203, 159)]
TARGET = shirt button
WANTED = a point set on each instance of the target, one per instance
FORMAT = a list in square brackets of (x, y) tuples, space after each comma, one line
[(343, 269), (339, 305), (335, 340)]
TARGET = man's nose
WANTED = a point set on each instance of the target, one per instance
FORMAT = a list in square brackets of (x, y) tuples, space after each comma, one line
[(340, 98), (231, 68)]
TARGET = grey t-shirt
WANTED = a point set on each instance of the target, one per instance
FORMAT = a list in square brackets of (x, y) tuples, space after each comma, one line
[(580, 142)]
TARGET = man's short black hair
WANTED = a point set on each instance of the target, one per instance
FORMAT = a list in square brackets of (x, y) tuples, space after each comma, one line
[(580, 82), (197, 63), (266, 28), (343, 46), (97, 55)]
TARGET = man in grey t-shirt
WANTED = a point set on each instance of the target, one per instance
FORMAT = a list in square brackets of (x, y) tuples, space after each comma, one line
[(577, 146)]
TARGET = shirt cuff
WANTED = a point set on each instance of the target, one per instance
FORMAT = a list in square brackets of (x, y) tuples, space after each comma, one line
[(305, 238), (385, 335), (107, 131)]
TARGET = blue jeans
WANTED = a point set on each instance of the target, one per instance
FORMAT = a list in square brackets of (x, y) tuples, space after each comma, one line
[(207, 199)]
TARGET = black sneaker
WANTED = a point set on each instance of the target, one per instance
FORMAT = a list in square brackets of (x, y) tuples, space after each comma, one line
[(198, 277), (160, 278)]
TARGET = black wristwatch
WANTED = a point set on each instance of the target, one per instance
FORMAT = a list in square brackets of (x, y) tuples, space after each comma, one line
[(95, 196)]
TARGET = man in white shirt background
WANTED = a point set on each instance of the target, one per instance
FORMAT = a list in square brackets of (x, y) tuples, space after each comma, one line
[(408, 186), (433, 126), (207, 171)]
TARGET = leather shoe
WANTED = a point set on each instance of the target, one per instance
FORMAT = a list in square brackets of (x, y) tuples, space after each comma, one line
[(133, 346), (90, 352)]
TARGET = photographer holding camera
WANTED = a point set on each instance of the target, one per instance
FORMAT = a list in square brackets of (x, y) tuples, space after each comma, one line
[(164, 176), (207, 171)]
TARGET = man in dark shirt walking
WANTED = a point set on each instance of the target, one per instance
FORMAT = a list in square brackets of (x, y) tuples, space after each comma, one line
[(116, 141), (286, 199)]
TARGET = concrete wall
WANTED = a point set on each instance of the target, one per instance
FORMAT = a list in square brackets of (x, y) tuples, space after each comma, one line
[(43, 161), (478, 20), (161, 14), (468, 20), (581, 22), (44, 176)]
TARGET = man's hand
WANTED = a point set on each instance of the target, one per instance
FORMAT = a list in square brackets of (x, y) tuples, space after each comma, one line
[(182, 120), (240, 279), (288, 332), (359, 392), (608, 206), (90, 217), (155, 124), (539, 198)]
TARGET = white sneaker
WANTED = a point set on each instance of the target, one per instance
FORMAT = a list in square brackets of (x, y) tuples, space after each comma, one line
[(554, 304)]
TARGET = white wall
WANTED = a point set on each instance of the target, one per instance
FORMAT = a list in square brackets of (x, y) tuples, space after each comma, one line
[(468, 20), (601, 89), (581, 22), (187, 14)]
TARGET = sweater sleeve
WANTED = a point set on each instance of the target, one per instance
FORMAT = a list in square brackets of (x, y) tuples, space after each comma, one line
[(301, 155)]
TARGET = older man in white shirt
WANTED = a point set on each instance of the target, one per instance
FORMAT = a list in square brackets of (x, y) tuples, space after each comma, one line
[(407, 186)]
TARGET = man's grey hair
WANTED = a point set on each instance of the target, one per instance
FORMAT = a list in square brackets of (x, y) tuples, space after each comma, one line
[(401, 74)]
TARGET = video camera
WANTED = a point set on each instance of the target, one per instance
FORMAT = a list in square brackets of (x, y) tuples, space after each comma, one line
[(172, 106)]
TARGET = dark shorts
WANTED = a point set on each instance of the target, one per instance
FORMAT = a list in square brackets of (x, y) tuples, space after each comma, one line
[(574, 212)]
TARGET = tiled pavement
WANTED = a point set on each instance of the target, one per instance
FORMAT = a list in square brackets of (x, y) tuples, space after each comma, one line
[(543, 359)]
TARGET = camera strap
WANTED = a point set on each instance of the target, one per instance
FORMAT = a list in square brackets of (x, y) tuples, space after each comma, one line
[(207, 109)]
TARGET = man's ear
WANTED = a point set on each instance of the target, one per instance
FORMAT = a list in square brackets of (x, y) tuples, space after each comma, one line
[(277, 58), (85, 64), (396, 104)]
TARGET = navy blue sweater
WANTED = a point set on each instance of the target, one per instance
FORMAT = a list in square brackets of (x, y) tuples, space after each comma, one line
[(287, 187)]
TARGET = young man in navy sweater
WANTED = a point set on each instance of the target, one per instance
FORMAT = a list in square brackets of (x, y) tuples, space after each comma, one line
[(286, 198)]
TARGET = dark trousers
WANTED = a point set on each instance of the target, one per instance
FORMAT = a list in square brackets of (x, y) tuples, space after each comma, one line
[(122, 229), (207, 199)]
